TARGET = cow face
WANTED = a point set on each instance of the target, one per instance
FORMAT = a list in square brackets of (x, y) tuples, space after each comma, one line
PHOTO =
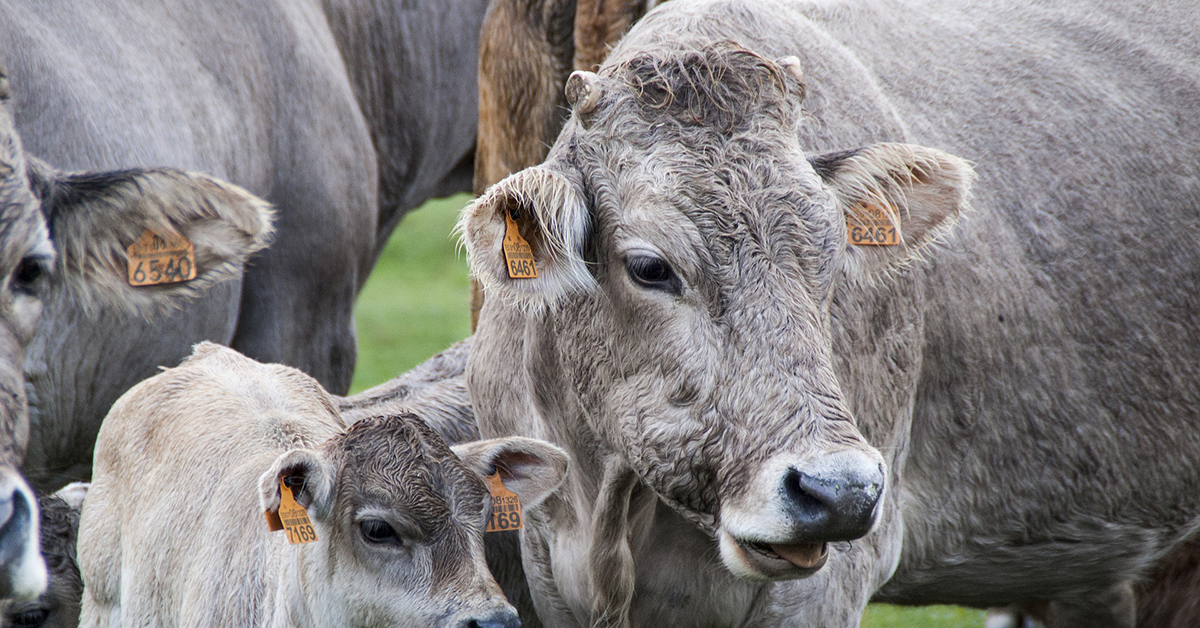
[(63, 240), (400, 521), (687, 255)]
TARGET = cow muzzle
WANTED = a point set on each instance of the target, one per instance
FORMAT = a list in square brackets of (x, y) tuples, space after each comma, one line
[(22, 570), (781, 527)]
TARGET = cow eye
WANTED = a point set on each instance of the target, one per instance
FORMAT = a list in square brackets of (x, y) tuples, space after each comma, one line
[(29, 275), (30, 618), (378, 532), (654, 273)]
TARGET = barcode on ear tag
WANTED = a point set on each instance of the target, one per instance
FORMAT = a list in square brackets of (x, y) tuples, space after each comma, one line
[(155, 259), (518, 255), (868, 225), (291, 518), (506, 506)]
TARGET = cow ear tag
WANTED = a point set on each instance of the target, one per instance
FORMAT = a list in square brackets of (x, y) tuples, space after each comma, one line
[(155, 259), (291, 517), (868, 225), (518, 255), (506, 506)]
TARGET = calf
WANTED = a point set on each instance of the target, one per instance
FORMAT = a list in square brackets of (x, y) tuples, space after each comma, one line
[(397, 516)]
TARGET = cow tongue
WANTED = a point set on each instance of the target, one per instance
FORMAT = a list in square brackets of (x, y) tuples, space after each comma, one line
[(804, 555)]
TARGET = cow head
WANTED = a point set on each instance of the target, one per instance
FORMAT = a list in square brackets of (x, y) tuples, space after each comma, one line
[(63, 237), (688, 253), (400, 521)]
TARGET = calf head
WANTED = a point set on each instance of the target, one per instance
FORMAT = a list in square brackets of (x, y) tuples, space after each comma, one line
[(688, 253), (400, 521), (63, 240)]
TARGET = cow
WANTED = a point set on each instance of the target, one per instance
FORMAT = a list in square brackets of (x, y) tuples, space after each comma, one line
[(58, 607), (344, 114), (725, 367), (63, 247), (188, 461)]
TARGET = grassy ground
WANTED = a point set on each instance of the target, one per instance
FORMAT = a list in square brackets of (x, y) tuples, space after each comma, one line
[(415, 304)]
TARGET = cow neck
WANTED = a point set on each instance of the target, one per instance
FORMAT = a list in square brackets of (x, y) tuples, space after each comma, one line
[(297, 591)]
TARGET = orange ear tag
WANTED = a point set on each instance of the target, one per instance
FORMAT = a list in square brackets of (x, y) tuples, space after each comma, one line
[(155, 259), (506, 506), (291, 517), (517, 252), (868, 225)]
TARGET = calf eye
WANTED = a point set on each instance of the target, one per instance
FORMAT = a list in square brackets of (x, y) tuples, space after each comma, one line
[(654, 273), (29, 274), (378, 532)]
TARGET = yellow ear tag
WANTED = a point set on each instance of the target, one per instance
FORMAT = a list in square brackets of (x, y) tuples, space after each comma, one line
[(506, 506), (155, 259), (291, 517), (868, 225), (517, 252)]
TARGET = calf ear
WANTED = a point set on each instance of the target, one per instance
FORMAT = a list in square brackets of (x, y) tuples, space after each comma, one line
[(540, 208), (530, 468), (95, 216), (309, 470), (900, 196)]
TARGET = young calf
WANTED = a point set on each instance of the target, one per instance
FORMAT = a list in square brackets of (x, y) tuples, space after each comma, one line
[(173, 531)]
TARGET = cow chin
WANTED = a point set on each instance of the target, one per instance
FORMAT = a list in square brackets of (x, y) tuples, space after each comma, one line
[(755, 560)]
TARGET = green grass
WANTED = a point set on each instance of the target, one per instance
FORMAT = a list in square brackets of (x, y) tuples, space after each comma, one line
[(416, 301), (416, 304)]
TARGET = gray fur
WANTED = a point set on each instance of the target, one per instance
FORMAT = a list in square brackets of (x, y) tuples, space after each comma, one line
[(344, 114), (1029, 376)]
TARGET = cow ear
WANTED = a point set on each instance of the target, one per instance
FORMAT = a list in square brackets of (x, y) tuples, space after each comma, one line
[(310, 471), (530, 468), (95, 216), (538, 215), (897, 199)]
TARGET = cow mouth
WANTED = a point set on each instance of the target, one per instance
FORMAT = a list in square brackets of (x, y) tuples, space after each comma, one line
[(759, 560)]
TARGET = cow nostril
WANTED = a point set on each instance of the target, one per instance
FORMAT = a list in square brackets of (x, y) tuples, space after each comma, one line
[(804, 503), (498, 620)]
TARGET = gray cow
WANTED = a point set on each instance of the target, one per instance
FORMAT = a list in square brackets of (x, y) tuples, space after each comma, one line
[(345, 114), (716, 355), (62, 247)]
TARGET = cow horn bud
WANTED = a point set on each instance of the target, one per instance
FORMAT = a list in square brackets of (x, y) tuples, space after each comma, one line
[(791, 64), (583, 91)]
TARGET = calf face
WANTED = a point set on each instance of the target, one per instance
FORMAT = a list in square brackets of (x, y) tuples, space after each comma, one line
[(687, 254), (63, 240), (400, 521)]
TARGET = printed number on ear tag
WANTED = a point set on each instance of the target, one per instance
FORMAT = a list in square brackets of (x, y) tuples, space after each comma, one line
[(156, 259), (868, 225), (506, 506), (291, 517), (518, 255)]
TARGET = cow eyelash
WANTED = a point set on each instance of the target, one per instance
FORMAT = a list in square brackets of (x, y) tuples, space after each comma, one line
[(654, 273), (379, 532)]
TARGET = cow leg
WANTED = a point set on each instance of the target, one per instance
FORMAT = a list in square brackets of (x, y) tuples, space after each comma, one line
[(1114, 607)]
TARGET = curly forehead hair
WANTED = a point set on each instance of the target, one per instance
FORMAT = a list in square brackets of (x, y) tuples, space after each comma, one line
[(722, 86)]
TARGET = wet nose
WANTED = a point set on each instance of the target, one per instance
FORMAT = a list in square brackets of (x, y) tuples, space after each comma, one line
[(834, 498), (503, 619)]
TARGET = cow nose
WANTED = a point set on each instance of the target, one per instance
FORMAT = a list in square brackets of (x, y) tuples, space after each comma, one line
[(22, 573), (504, 619), (834, 498)]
